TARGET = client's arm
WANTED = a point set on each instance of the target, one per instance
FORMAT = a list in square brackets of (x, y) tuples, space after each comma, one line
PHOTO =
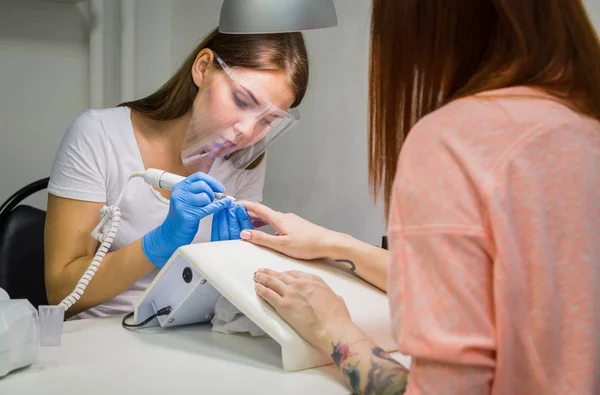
[(367, 368), (307, 303), (302, 239), (368, 261)]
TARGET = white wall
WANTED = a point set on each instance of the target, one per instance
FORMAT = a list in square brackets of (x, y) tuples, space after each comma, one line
[(593, 8), (191, 21), (43, 86), (319, 170), (153, 45)]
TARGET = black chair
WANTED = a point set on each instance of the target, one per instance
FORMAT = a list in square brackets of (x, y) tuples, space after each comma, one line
[(22, 247)]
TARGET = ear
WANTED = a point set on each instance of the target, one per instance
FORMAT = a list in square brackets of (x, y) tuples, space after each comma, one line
[(201, 66)]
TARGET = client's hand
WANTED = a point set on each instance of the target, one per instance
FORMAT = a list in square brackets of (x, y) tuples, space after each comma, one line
[(295, 237), (307, 303), (227, 224)]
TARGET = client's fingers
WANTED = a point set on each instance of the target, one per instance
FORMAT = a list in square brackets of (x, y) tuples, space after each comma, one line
[(284, 277), (256, 221), (297, 274), (263, 239), (270, 281), (264, 213), (270, 296)]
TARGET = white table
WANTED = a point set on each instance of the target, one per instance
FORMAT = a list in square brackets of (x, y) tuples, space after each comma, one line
[(99, 356)]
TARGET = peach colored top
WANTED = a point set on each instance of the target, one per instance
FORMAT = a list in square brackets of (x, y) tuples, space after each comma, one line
[(495, 242)]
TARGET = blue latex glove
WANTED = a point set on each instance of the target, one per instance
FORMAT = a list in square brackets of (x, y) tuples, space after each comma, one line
[(191, 200), (229, 223)]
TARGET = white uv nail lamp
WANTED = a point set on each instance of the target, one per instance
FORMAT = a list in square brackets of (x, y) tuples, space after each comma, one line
[(197, 274)]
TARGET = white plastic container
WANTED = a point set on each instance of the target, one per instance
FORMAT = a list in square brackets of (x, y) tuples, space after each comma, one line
[(19, 335)]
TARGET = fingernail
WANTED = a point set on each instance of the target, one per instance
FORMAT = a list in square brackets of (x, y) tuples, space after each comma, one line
[(245, 235)]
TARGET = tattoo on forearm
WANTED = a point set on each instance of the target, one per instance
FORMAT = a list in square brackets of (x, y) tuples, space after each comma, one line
[(348, 261), (353, 375), (384, 376), (340, 353), (378, 352)]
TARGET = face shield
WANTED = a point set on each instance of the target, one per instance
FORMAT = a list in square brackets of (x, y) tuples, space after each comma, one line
[(232, 124)]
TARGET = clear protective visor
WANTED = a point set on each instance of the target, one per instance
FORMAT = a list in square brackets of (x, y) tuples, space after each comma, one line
[(233, 123)]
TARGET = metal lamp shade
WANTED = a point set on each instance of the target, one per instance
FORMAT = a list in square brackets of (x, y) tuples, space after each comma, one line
[(276, 16)]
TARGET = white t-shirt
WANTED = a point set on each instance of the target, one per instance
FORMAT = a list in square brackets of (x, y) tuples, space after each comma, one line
[(94, 160)]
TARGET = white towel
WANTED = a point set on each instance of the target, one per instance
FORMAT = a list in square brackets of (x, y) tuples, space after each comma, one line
[(228, 320)]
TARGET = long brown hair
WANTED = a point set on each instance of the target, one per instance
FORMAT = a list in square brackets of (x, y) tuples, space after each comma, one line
[(283, 51), (426, 53)]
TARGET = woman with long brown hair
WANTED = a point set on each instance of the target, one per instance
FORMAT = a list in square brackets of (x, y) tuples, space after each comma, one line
[(485, 139), (234, 83)]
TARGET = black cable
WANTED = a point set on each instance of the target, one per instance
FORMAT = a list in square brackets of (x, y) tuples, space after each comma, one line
[(163, 311)]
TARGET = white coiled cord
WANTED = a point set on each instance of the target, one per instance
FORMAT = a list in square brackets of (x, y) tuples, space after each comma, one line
[(105, 232)]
